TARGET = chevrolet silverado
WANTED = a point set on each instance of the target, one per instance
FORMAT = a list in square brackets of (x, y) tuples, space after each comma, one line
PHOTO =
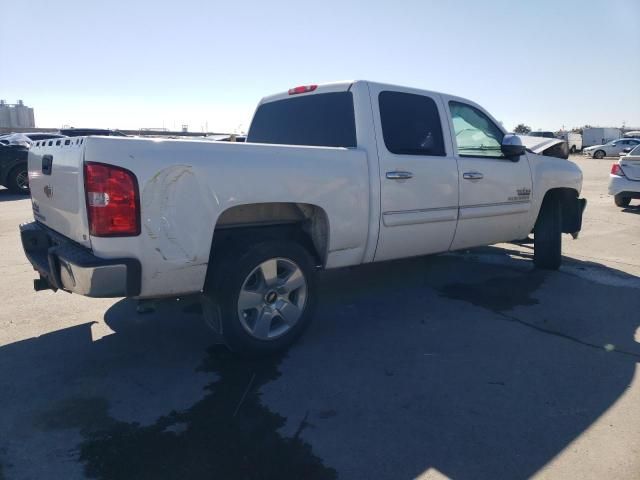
[(331, 176)]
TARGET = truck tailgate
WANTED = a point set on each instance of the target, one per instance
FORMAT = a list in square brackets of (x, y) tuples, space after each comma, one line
[(56, 183)]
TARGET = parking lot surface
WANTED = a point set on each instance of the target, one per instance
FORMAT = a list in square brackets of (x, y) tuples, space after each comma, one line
[(467, 365)]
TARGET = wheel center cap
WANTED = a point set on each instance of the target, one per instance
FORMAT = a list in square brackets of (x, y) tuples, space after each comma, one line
[(271, 297)]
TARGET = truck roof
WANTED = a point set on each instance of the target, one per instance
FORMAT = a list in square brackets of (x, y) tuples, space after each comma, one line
[(341, 86)]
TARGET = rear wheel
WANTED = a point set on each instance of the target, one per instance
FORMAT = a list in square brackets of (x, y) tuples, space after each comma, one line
[(599, 154), (18, 180), (622, 201), (573, 149), (265, 294), (547, 238)]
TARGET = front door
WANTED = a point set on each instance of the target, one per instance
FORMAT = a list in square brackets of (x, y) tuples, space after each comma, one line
[(419, 175), (495, 191)]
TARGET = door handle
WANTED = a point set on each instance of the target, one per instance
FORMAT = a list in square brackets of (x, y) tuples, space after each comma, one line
[(47, 164), (472, 176), (399, 175)]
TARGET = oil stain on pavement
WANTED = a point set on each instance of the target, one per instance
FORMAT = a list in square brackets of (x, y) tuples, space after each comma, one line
[(498, 294), (227, 434)]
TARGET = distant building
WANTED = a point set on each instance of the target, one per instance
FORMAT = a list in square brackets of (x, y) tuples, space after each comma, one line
[(16, 115)]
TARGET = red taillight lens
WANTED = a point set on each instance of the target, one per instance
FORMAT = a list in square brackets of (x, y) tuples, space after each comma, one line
[(302, 89), (113, 203), (617, 170)]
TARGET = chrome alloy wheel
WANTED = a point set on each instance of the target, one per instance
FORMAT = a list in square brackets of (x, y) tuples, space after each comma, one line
[(272, 298), (22, 180)]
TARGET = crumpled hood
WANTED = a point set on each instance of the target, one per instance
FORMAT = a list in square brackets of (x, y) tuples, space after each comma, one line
[(16, 139), (549, 147), (539, 144)]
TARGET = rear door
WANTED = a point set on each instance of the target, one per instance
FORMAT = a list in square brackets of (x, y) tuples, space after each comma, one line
[(56, 184), (419, 176), (495, 192)]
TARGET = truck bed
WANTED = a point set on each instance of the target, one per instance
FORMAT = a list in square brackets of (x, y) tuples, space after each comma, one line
[(186, 185)]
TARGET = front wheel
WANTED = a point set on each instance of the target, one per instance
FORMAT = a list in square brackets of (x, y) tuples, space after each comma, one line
[(599, 154), (18, 180), (573, 149), (266, 296), (622, 201), (547, 236)]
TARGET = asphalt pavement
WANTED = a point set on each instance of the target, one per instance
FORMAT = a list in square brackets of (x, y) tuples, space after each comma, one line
[(470, 365)]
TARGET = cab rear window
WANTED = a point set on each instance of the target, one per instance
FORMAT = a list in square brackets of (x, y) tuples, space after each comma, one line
[(323, 120)]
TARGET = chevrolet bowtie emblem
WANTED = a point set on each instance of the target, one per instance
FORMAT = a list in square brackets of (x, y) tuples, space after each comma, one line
[(48, 191)]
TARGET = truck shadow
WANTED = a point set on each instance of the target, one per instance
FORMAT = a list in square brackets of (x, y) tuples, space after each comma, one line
[(473, 365), (7, 196), (632, 209)]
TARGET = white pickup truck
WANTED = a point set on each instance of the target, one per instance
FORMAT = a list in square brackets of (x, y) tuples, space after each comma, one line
[(331, 176)]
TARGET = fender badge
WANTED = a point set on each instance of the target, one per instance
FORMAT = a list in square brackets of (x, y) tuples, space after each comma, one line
[(48, 191)]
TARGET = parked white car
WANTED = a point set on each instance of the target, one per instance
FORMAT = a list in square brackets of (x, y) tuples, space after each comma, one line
[(610, 149), (624, 180), (331, 176)]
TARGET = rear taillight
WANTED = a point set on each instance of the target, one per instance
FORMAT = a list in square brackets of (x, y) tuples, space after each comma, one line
[(113, 202), (302, 89), (617, 170)]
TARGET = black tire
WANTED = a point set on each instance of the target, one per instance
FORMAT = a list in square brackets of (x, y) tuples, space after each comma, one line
[(226, 282), (15, 182), (599, 154), (622, 201), (573, 149), (547, 237)]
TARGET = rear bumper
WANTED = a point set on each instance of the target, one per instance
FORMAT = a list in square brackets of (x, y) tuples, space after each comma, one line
[(64, 265), (618, 185)]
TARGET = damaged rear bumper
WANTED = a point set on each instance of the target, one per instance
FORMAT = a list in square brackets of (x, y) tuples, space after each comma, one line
[(65, 265)]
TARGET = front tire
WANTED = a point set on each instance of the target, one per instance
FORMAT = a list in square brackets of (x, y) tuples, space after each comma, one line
[(573, 149), (18, 180), (599, 155), (547, 237), (622, 201), (265, 293)]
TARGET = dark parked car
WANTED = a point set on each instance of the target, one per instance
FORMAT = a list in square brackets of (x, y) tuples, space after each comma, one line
[(34, 137), (14, 149), (544, 134), (13, 168)]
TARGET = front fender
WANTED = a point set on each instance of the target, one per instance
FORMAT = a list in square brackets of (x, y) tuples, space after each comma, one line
[(549, 174)]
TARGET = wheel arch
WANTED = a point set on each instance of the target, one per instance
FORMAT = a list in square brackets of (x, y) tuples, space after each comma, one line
[(570, 205), (303, 222), (8, 166)]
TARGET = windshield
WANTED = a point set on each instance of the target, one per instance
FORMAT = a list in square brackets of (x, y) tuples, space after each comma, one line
[(635, 151)]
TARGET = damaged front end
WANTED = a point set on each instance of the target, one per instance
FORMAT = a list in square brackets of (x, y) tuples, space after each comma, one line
[(549, 147)]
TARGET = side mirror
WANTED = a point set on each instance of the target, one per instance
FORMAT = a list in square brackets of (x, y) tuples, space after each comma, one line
[(512, 147)]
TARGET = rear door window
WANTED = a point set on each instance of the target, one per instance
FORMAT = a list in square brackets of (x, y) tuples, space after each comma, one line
[(323, 120), (410, 124)]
